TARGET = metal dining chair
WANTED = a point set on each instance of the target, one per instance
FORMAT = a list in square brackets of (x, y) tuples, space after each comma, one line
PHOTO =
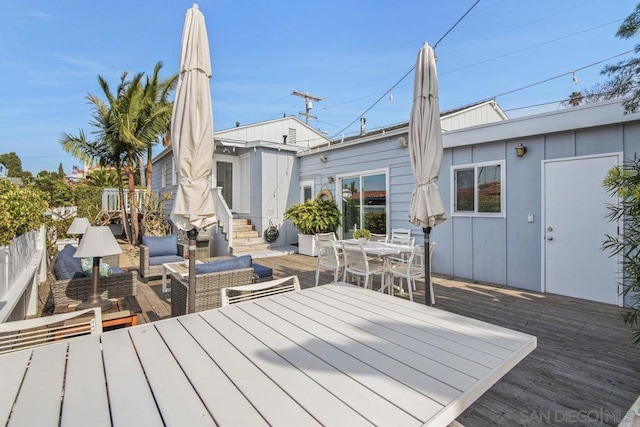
[(408, 268), (411, 269), (402, 240), (328, 257), (357, 263), (378, 237), (400, 232)]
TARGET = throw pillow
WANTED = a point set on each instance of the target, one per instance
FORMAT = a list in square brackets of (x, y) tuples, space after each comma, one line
[(163, 245), (87, 268)]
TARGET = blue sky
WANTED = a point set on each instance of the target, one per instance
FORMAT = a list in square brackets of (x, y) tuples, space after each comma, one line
[(348, 52)]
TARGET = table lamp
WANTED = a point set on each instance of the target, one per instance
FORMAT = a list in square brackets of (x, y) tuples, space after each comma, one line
[(78, 226), (97, 242)]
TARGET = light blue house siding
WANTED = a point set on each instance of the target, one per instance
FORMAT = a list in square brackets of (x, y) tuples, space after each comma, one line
[(507, 249), (380, 153)]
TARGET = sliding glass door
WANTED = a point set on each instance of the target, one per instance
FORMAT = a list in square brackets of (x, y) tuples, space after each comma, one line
[(364, 203)]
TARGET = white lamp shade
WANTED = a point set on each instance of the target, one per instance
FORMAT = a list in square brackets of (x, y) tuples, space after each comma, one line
[(97, 242), (78, 226)]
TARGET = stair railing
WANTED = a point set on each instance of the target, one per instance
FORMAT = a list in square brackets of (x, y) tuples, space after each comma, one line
[(225, 217)]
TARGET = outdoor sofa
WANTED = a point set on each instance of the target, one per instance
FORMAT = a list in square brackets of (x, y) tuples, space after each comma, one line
[(155, 251), (70, 285), (213, 276)]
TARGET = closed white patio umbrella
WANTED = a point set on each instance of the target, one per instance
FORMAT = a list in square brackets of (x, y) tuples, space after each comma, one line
[(425, 148), (192, 137)]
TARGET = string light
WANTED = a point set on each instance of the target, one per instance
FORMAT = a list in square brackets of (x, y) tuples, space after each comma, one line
[(574, 78)]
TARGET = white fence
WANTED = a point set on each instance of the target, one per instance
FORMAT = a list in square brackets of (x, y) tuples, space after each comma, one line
[(111, 199), (23, 265)]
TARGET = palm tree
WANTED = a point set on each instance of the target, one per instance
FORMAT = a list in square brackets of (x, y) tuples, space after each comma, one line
[(574, 100), (126, 126), (158, 110), (103, 177)]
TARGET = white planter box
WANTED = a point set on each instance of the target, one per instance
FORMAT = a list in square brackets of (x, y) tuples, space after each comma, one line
[(307, 245)]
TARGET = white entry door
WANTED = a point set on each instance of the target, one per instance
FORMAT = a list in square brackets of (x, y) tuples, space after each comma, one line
[(574, 207)]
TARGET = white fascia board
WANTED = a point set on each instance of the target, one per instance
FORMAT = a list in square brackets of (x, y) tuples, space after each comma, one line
[(573, 118), (376, 137), (272, 145)]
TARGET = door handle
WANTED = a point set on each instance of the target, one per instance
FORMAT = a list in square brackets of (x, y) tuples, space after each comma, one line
[(550, 238)]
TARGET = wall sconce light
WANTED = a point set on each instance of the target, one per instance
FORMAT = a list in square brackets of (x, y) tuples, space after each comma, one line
[(330, 180), (521, 150), (323, 158), (402, 142)]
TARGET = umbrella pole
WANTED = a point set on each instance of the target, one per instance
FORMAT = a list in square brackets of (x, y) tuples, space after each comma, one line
[(427, 266), (192, 235)]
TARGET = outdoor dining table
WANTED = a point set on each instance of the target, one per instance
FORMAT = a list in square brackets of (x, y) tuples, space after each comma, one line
[(383, 250), (333, 355)]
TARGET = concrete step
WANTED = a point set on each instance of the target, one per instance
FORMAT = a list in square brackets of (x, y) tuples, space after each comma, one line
[(249, 248), (245, 234), (248, 241), (246, 227), (241, 221)]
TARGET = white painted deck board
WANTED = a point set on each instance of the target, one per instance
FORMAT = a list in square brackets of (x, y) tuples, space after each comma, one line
[(351, 359), (397, 324), (85, 393), (275, 406), (497, 335), (398, 347), (38, 403), (280, 365), (130, 397), (466, 345), (376, 409), (177, 400), (375, 352), (223, 400), (13, 367)]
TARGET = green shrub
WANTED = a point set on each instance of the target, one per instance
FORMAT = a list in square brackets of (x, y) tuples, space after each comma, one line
[(314, 216), (376, 222), (88, 199), (362, 233), (624, 182), (21, 210)]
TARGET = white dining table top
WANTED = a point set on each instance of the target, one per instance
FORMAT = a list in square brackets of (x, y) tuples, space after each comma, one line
[(333, 355)]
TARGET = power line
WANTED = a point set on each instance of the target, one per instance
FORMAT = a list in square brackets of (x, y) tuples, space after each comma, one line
[(561, 75), (529, 47), (456, 24), (408, 72)]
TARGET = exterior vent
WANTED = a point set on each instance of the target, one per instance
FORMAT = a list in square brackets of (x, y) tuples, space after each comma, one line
[(292, 136)]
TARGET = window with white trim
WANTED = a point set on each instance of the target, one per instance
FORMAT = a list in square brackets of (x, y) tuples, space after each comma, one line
[(478, 189)]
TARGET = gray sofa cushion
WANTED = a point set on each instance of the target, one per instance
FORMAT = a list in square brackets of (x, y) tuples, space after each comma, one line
[(261, 271), (66, 266), (224, 265), (161, 246), (163, 259)]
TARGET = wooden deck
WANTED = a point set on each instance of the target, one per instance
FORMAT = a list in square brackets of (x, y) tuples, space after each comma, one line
[(585, 370)]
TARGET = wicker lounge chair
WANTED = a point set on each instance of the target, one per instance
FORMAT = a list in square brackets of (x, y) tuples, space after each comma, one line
[(76, 290), (155, 251)]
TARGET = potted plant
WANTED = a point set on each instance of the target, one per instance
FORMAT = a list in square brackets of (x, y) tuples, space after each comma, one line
[(312, 217), (362, 234)]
